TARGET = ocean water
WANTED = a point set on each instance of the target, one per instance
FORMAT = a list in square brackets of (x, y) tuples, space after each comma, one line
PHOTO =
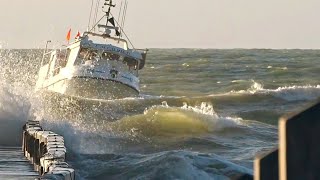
[(202, 114)]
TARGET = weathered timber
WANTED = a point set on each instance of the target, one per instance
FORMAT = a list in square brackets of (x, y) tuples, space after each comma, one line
[(13, 165), (46, 151)]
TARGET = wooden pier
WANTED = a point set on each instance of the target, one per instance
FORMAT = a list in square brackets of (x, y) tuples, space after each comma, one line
[(42, 156), (13, 165)]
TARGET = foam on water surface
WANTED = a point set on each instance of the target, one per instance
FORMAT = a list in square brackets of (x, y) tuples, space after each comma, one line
[(184, 125)]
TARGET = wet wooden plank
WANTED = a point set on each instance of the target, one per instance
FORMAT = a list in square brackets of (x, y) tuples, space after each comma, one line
[(13, 165)]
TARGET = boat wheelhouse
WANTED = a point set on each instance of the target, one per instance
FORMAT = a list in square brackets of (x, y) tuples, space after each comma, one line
[(101, 69)]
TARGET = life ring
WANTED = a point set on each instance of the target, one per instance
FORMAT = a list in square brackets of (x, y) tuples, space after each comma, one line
[(113, 73)]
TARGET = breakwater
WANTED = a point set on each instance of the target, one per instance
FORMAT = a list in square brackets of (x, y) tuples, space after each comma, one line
[(46, 151)]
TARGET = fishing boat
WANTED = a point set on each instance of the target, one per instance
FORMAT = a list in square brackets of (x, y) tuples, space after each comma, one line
[(97, 64)]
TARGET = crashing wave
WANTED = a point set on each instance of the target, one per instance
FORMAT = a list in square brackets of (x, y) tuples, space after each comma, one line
[(165, 120), (289, 93)]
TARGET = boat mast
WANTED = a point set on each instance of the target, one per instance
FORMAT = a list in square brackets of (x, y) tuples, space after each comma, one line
[(114, 24), (108, 3), (110, 17)]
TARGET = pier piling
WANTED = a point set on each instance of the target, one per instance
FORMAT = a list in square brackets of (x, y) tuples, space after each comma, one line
[(46, 151)]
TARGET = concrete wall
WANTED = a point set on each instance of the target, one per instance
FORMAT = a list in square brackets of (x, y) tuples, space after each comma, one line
[(46, 151)]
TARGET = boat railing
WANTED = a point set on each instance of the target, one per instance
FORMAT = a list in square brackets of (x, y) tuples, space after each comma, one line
[(105, 36), (143, 50), (49, 52)]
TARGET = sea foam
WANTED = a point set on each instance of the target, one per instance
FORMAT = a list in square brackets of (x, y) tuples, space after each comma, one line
[(289, 93)]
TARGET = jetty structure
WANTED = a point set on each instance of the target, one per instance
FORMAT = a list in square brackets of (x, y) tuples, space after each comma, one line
[(43, 156), (43, 153), (298, 155)]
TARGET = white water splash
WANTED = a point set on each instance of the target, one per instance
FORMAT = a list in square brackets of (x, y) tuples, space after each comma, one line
[(289, 93), (297, 93), (255, 87), (16, 95), (14, 111)]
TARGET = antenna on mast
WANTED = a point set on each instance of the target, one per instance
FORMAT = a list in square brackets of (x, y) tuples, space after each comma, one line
[(110, 17), (108, 3)]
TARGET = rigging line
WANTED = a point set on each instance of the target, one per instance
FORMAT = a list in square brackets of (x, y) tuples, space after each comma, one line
[(98, 4), (124, 33), (124, 8), (119, 19), (97, 23), (90, 14), (123, 15), (96, 13), (120, 11)]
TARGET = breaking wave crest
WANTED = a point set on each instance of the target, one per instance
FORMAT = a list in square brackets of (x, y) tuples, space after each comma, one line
[(295, 93), (144, 146), (288, 93), (155, 125), (173, 121)]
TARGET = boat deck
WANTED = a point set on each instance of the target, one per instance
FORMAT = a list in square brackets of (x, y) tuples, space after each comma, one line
[(14, 166)]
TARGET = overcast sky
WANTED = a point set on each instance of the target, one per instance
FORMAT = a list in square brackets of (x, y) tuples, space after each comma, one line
[(171, 23)]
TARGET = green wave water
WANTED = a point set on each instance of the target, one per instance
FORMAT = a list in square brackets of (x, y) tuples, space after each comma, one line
[(202, 113)]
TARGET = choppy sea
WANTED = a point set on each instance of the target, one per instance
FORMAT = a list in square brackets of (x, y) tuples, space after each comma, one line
[(202, 114)]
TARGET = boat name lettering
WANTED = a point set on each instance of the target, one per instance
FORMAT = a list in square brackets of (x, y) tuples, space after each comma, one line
[(118, 50), (94, 71), (129, 78), (115, 49)]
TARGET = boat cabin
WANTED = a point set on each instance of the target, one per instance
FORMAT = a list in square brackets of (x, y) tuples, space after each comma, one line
[(86, 53), (95, 57)]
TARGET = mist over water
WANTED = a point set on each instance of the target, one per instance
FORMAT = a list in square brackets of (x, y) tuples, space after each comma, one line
[(202, 114)]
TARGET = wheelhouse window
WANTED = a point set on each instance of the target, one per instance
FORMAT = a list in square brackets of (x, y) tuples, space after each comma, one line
[(131, 63), (110, 56), (84, 52), (88, 54), (62, 57), (46, 58), (93, 55)]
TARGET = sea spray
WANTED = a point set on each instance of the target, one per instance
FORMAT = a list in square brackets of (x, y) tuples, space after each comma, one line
[(14, 112), (16, 95), (233, 125)]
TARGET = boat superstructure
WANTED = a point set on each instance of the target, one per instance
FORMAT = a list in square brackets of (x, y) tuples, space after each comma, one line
[(95, 65)]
